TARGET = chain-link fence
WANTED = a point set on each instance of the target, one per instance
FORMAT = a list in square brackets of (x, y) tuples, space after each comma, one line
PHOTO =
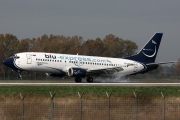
[(135, 107)]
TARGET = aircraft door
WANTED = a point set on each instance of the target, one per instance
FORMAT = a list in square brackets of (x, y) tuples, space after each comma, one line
[(135, 67), (80, 63), (29, 58)]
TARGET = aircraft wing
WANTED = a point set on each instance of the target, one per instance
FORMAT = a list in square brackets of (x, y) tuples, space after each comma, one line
[(109, 70)]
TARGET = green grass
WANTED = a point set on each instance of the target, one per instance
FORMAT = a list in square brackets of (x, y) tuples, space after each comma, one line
[(89, 91)]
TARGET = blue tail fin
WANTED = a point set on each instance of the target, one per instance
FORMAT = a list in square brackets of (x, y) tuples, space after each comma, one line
[(148, 53)]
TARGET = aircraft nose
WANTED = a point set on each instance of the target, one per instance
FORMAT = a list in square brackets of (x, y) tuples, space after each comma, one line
[(9, 62)]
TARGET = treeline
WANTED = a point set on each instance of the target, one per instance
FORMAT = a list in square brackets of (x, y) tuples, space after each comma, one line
[(110, 46)]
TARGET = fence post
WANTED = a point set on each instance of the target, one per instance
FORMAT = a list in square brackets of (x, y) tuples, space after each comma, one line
[(109, 95), (136, 110), (80, 111), (163, 105), (22, 98), (52, 105)]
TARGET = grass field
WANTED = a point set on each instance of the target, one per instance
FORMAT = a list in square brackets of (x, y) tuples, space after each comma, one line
[(89, 91)]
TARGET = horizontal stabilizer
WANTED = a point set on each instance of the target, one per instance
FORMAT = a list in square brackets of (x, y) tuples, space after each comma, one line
[(162, 63)]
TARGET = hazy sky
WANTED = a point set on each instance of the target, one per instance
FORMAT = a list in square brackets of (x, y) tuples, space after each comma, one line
[(136, 20)]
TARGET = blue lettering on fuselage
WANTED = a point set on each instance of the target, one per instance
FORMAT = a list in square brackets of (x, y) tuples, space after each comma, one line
[(71, 58), (83, 59), (50, 56)]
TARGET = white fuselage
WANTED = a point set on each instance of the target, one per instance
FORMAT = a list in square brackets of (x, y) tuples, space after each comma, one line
[(59, 63)]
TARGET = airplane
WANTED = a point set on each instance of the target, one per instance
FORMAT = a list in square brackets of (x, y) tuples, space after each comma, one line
[(80, 66)]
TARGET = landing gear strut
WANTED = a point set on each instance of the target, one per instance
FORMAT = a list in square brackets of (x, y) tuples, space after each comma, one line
[(89, 79), (19, 75), (78, 80)]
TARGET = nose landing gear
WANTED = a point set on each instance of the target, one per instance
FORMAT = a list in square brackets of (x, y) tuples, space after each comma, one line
[(19, 75)]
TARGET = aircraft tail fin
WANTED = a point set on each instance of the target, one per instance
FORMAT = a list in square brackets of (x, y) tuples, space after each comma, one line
[(149, 52)]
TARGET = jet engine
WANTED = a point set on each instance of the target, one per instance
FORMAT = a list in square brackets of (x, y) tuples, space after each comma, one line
[(76, 72)]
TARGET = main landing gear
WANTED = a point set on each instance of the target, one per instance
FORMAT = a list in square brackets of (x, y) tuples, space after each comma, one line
[(89, 79), (79, 80)]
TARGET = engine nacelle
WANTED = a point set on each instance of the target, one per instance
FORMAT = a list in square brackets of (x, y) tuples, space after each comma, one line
[(76, 72), (55, 75)]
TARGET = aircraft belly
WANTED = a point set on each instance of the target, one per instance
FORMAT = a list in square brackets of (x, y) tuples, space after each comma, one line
[(47, 69)]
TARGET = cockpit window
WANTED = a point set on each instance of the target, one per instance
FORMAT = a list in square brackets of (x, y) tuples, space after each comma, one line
[(16, 57), (12, 56)]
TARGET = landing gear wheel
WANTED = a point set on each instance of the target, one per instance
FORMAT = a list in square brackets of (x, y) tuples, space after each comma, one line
[(78, 80), (89, 79)]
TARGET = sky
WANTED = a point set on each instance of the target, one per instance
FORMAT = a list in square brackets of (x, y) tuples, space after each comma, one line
[(136, 20)]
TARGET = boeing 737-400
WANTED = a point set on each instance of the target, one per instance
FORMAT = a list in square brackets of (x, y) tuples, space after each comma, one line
[(80, 66)]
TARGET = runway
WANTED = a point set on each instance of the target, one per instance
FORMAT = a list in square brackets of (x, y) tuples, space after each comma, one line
[(90, 84)]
